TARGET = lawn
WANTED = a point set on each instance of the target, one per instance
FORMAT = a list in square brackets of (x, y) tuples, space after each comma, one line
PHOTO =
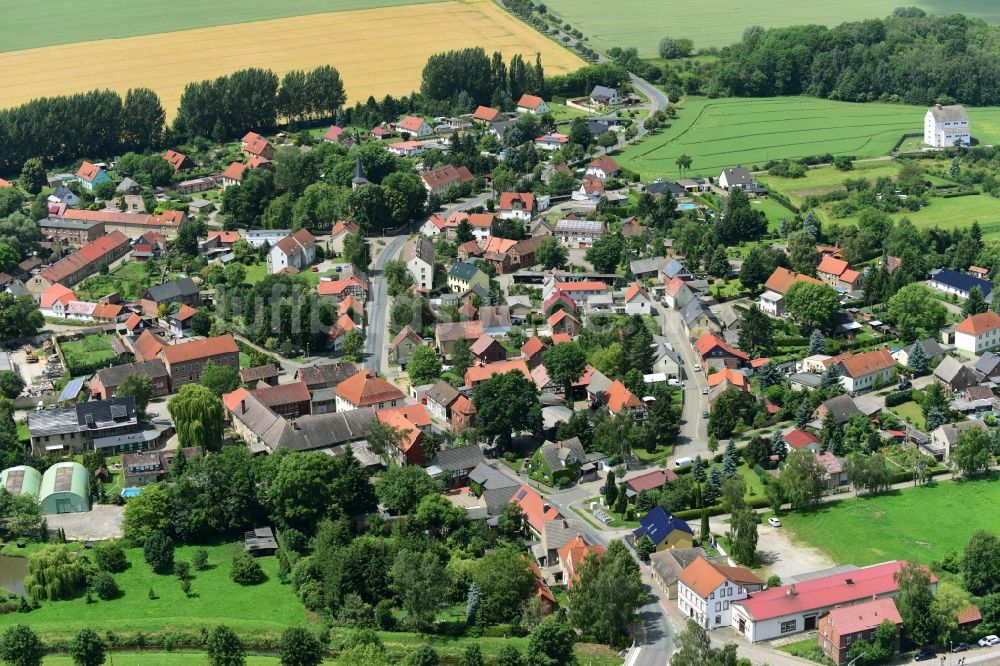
[(719, 133), (88, 352), (827, 178), (257, 272), (165, 659), (945, 213), (911, 413), (921, 523), (642, 23), (130, 280), (262, 609), (807, 648), (774, 211), (377, 51)]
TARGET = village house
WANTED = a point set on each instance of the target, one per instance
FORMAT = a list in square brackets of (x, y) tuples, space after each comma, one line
[(406, 148), (665, 530), (946, 126), (488, 349), (83, 427), (326, 375), (83, 263), (933, 350), (259, 375), (462, 277), (478, 374), (454, 465), (602, 168), (54, 301), (418, 255), (496, 320), (355, 285), (665, 567), (415, 126), (945, 437), (296, 251), (254, 145), (179, 323), (716, 352), (676, 293), (532, 350), (738, 177), (338, 135), (562, 322), (637, 300), (579, 234), (142, 468), (105, 382), (507, 256), (366, 389), (619, 400), (91, 175), (952, 282), (132, 225), (772, 300), (978, 333), (796, 607), (841, 627), (185, 361), (72, 233), (796, 439), (486, 115), (838, 274), (150, 245), (865, 371), (705, 591), (234, 174), (675, 268), (954, 375), (605, 96), (448, 333), (287, 400), (183, 291), (655, 480), (573, 555), (532, 104), (339, 232), (518, 205), (403, 344), (178, 161), (439, 180)]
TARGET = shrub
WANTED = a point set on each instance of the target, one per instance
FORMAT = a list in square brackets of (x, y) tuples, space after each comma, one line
[(898, 397), (182, 570), (110, 557), (246, 570), (159, 553), (200, 559), (104, 586)]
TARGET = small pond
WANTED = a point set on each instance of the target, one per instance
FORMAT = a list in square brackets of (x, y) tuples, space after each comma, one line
[(12, 573)]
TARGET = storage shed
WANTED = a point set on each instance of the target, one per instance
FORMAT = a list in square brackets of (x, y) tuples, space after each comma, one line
[(65, 489), (21, 480)]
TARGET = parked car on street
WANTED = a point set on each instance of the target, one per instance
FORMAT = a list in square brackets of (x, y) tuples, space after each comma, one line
[(925, 654), (773, 522), (987, 641), (960, 647)]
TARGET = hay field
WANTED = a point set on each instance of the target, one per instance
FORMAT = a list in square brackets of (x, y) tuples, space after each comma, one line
[(378, 52), (642, 23), (719, 133)]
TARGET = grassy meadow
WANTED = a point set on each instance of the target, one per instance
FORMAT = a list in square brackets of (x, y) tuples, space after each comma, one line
[(378, 51), (720, 133), (642, 23), (921, 523)]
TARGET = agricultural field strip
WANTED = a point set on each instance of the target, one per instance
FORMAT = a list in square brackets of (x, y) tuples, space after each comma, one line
[(398, 35)]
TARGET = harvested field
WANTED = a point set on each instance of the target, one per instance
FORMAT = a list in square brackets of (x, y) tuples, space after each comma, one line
[(378, 52)]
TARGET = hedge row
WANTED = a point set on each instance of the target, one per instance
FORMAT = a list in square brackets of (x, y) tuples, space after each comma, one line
[(898, 397), (717, 510)]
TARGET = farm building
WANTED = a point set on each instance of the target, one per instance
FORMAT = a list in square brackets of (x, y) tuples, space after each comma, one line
[(65, 488), (21, 480)]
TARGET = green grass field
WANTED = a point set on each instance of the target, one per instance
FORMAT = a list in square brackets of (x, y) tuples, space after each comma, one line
[(911, 413), (164, 659), (90, 350), (29, 25), (266, 608), (719, 133), (921, 523), (946, 213), (642, 23)]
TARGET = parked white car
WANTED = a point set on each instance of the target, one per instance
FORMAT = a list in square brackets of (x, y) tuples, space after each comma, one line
[(992, 639), (773, 522)]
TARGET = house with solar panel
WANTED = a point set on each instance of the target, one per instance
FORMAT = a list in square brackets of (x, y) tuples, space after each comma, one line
[(88, 426)]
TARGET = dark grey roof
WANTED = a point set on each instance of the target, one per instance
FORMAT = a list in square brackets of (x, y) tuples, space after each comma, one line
[(173, 290), (988, 363), (694, 309), (462, 457), (597, 127), (443, 393), (932, 348), (17, 288), (327, 373), (962, 282), (948, 369), (85, 416), (560, 455), (663, 186), (112, 377), (738, 175), (319, 431), (603, 92), (487, 475), (842, 407), (462, 270), (557, 533)]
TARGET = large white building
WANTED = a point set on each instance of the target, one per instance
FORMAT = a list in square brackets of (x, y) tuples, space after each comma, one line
[(296, 251), (944, 125), (418, 253), (706, 592), (978, 333)]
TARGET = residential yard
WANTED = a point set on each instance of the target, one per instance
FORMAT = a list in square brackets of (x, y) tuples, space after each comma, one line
[(807, 648), (911, 413), (921, 523), (91, 351), (130, 280), (257, 272)]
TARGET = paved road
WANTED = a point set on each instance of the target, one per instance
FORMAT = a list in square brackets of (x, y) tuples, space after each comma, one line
[(657, 99), (378, 303), (693, 439)]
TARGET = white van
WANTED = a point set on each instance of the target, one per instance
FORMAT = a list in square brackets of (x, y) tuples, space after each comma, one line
[(680, 462)]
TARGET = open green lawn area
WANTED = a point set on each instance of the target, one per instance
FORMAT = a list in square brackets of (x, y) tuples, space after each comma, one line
[(807, 648), (28, 25), (911, 413), (949, 213), (827, 178), (720, 133), (921, 523), (642, 23), (774, 211), (165, 659), (257, 272), (265, 608), (130, 280), (90, 350)]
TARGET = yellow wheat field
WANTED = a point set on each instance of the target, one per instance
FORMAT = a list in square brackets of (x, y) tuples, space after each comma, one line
[(378, 52)]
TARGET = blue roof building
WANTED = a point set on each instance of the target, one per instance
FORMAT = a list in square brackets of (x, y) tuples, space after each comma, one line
[(960, 284), (665, 530)]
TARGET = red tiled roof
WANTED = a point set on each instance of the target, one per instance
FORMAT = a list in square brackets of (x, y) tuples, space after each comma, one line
[(859, 365), (254, 143), (411, 123), (832, 266), (704, 578), (573, 554), (6, 184), (366, 388), (617, 397), (675, 285), (825, 592), (232, 400), (333, 133), (235, 171), (850, 276), (529, 101), (133, 321), (709, 341), (200, 349), (979, 323), (399, 421), (735, 378), (605, 164), (107, 311), (480, 373), (175, 159), (147, 347), (225, 237), (969, 615), (184, 313), (446, 175), (560, 338), (337, 287), (798, 439), (864, 616), (634, 290), (559, 315), (507, 200), (415, 414), (532, 346), (583, 285), (651, 480), (282, 394), (56, 293), (342, 326), (169, 218), (782, 279), (482, 220), (86, 255), (536, 510), (344, 225), (486, 114), (88, 171)]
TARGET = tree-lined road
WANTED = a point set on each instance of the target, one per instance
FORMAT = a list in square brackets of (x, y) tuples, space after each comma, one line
[(378, 303)]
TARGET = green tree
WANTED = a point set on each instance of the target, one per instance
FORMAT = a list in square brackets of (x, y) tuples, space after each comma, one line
[(9, 257), (606, 596), (299, 647), (353, 348), (506, 404), (551, 254), (880, 649), (87, 649), (400, 489), (201, 322), (384, 440), (425, 655), (915, 311), (198, 415), (158, 552), (817, 342), (694, 648), (19, 646), (33, 177), (551, 644), (11, 384), (147, 513), (357, 251), (505, 582), (224, 647), (509, 656), (424, 366), (565, 364), (743, 535), (813, 305), (110, 556), (756, 335), (915, 602), (972, 451), (246, 570), (219, 379), (606, 253), (981, 564), (975, 303), (420, 583), (801, 479), (918, 360), (472, 656), (19, 316)]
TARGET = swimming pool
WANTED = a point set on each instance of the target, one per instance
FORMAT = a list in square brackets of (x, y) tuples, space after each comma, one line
[(131, 492), (687, 206)]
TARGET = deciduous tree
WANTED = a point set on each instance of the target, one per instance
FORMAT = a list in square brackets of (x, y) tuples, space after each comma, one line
[(198, 415)]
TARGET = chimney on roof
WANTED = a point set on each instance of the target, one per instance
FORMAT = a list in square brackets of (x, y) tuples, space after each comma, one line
[(295, 425), (546, 506), (790, 592), (243, 406), (848, 581)]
